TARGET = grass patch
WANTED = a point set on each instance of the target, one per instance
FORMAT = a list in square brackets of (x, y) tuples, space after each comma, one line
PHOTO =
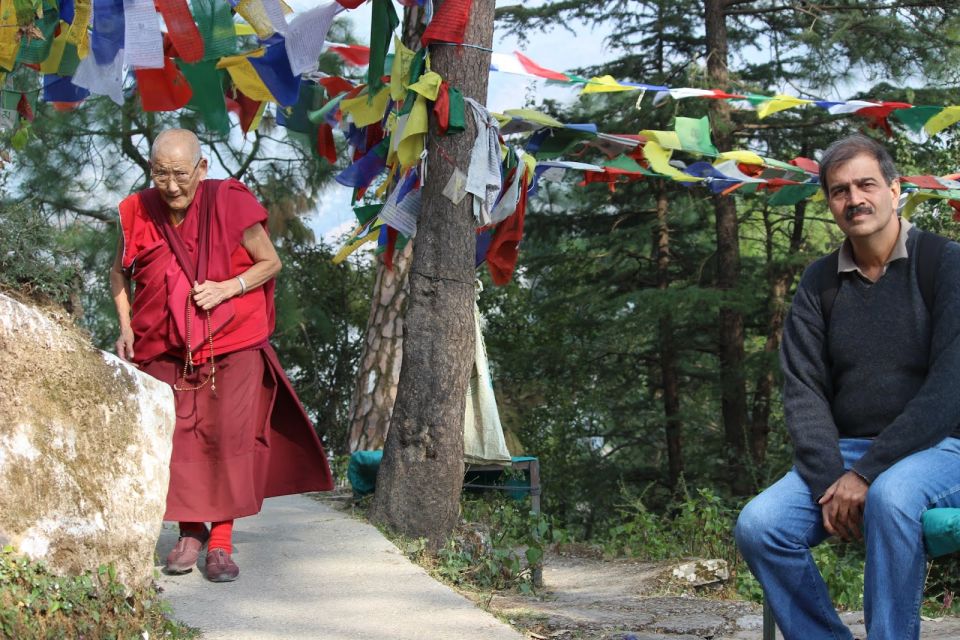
[(36, 604)]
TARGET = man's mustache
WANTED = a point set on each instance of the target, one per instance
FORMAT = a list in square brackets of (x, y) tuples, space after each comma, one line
[(860, 208)]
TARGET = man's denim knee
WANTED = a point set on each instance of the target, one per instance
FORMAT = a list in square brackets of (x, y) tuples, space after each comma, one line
[(889, 498), (751, 529)]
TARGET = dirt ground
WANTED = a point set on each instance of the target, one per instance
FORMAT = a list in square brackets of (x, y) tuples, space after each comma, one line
[(587, 598)]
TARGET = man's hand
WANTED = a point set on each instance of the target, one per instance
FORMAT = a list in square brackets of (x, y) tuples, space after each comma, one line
[(125, 344), (842, 505), (210, 293)]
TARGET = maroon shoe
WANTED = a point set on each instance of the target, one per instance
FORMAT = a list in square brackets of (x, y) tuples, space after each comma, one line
[(186, 552), (220, 567)]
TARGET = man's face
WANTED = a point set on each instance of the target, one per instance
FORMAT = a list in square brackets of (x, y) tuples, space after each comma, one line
[(860, 199), (176, 176)]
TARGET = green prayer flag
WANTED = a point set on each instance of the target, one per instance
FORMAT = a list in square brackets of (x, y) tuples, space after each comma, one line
[(793, 193), (70, 61), (694, 135), (207, 84), (626, 163), (417, 68), (367, 212), (316, 117), (297, 117), (560, 141), (215, 22), (36, 50), (458, 107), (402, 241), (26, 10), (916, 117), (383, 23)]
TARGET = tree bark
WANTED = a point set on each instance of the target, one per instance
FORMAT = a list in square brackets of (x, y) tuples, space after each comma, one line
[(779, 283), (376, 385), (420, 478), (730, 323), (375, 390), (673, 428)]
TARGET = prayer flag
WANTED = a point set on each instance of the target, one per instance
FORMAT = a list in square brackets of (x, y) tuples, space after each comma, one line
[(605, 84), (505, 247), (535, 69), (182, 29), (214, 20), (947, 117), (108, 28), (779, 103), (163, 89), (362, 172), (61, 89), (449, 23), (694, 135), (355, 54), (916, 117), (384, 22), (207, 99), (274, 71), (34, 50)]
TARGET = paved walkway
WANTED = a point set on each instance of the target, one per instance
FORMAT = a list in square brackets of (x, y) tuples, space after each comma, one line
[(308, 571)]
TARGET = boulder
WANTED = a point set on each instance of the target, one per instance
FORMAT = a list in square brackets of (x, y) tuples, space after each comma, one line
[(701, 572), (85, 443)]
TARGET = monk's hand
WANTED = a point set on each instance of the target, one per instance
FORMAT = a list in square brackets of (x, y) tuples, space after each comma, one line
[(210, 293), (125, 344), (842, 505)]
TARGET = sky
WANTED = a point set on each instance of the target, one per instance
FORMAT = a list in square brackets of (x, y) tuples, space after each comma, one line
[(334, 216)]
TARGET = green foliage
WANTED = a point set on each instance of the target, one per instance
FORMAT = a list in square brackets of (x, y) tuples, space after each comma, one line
[(841, 565), (34, 603), (34, 258), (495, 547)]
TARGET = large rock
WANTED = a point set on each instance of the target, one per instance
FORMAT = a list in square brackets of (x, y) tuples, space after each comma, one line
[(85, 443)]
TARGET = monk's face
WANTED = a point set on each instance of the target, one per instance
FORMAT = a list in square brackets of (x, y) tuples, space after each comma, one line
[(177, 174)]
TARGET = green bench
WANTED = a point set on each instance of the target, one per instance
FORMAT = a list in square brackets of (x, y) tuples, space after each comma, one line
[(941, 535)]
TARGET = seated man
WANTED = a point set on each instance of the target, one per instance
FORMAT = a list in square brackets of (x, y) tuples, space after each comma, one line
[(872, 406), (199, 318)]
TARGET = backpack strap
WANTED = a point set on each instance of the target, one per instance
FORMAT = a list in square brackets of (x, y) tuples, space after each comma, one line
[(929, 248), (829, 286)]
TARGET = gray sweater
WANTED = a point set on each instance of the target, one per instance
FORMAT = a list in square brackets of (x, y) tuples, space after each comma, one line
[(887, 369)]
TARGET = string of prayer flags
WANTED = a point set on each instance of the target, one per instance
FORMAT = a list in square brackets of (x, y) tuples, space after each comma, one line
[(768, 106)]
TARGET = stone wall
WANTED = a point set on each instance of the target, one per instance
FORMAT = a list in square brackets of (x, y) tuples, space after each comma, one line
[(85, 442)]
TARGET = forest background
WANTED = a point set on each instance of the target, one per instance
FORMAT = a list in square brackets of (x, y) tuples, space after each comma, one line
[(635, 350)]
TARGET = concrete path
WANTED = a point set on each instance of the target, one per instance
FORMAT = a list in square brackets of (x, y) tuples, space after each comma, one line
[(308, 571)]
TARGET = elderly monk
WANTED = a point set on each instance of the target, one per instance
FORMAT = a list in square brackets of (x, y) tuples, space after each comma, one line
[(198, 316)]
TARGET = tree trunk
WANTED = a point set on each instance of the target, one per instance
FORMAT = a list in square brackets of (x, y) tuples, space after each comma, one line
[(668, 351), (730, 325), (376, 385), (375, 390), (779, 284), (420, 478)]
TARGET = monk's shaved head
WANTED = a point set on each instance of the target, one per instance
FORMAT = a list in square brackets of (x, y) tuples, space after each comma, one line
[(171, 141)]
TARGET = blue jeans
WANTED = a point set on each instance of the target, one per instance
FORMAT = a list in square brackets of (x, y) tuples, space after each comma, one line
[(777, 529)]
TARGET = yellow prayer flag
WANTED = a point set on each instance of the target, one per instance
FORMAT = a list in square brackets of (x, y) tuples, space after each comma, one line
[(746, 157), (428, 85), (605, 84), (77, 36), (666, 139), (939, 122), (9, 35), (414, 135), (256, 15), (356, 244), (245, 77), (659, 159), (531, 115), (243, 29), (400, 71), (365, 111), (779, 103)]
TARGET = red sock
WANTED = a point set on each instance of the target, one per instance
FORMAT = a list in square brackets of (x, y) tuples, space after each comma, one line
[(196, 528), (220, 535)]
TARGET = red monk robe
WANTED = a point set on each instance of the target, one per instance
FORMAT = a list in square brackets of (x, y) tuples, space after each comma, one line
[(248, 439)]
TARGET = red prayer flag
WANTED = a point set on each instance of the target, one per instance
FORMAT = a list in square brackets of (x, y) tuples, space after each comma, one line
[(355, 54), (449, 23), (350, 4), (441, 108), (183, 31), (505, 247), (537, 70), (335, 85), (924, 182), (163, 89), (23, 108), (325, 145), (806, 164), (391, 247), (245, 107)]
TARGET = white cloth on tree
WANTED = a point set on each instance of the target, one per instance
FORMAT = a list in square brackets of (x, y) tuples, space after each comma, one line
[(483, 441), (483, 176)]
